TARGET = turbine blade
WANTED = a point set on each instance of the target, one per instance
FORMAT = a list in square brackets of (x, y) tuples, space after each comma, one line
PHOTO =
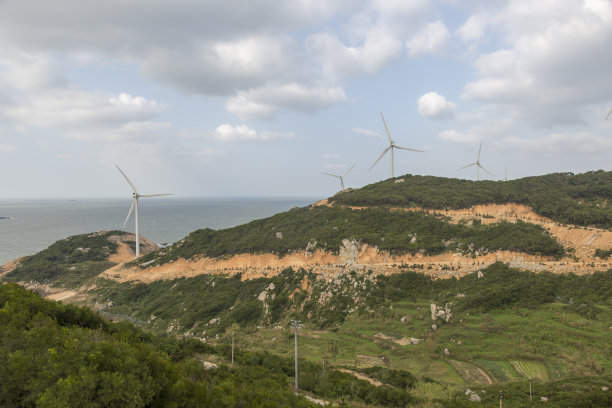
[(127, 179), (488, 172), (380, 157), (466, 166), (386, 128), (609, 113), (129, 213), (333, 175), (154, 195), (407, 148), (478, 159), (348, 171)]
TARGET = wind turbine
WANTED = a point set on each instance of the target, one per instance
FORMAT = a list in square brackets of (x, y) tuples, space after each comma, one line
[(609, 113), (341, 177), (392, 146), (477, 164), (135, 206)]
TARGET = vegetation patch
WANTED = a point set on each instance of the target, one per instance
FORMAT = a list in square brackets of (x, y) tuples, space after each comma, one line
[(580, 199), (69, 262), (325, 228)]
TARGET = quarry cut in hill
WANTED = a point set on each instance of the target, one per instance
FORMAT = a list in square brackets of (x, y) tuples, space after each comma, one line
[(579, 243)]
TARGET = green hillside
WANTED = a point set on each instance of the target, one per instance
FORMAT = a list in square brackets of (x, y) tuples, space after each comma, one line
[(581, 199), (324, 228), (509, 325), (55, 355), (491, 331), (69, 262)]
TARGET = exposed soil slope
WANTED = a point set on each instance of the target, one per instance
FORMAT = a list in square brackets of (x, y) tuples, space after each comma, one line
[(579, 242)]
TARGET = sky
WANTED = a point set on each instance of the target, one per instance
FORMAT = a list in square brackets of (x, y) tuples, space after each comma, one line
[(260, 98)]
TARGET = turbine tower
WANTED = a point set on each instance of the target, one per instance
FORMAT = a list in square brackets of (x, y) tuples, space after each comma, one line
[(341, 177), (135, 206), (392, 146), (477, 164)]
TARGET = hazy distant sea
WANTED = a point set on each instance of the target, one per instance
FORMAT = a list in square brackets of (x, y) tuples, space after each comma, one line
[(33, 225)]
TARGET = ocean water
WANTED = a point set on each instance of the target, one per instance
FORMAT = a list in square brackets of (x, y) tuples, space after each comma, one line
[(28, 226)]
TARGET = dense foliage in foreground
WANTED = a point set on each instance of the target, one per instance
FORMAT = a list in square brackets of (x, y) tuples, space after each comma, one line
[(581, 199), (53, 355), (325, 228)]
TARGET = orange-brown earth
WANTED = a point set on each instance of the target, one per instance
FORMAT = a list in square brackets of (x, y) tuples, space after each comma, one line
[(583, 240)]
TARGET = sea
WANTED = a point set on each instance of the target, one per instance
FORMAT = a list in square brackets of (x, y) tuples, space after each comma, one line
[(29, 226)]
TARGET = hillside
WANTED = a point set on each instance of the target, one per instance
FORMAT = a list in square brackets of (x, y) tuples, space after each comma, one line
[(450, 226), (526, 295), (580, 199), (506, 327), (72, 262)]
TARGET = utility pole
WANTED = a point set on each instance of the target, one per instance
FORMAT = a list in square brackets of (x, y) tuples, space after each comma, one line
[(530, 394), (232, 347), (501, 397), (295, 328)]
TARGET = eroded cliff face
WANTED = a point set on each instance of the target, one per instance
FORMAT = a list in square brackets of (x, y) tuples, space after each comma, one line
[(579, 242)]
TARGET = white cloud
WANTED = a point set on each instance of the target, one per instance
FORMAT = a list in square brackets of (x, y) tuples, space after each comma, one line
[(266, 101), (224, 67), (474, 28), (378, 48), (29, 71), (555, 143), (555, 65), (4, 148), (368, 133), (247, 109), (229, 133), (432, 38), (433, 105), (455, 136), (80, 108), (208, 153)]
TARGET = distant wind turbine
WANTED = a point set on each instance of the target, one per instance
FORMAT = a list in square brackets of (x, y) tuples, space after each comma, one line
[(341, 177), (135, 206), (392, 146), (477, 164)]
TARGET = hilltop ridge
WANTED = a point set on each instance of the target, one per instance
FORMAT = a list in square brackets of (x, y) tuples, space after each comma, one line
[(410, 220)]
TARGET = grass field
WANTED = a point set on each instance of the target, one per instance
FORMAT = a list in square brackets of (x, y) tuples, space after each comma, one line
[(507, 346)]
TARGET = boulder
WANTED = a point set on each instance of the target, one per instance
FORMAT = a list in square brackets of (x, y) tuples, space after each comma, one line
[(433, 309), (474, 397)]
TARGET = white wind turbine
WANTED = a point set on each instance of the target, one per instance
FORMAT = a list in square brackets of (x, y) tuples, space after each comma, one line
[(135, 206), (477, 164), (341, 177), (392, 146)]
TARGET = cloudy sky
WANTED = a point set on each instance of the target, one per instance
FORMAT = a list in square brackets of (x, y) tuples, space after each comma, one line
[(258, 98)]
